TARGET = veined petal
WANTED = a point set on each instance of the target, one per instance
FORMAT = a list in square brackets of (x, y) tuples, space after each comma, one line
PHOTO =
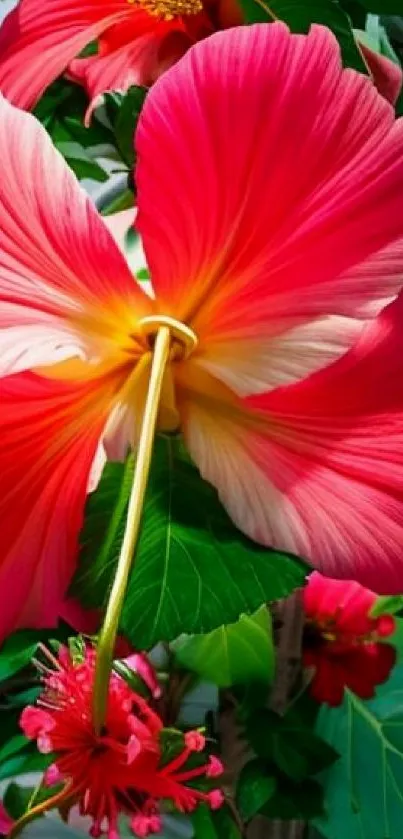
[(285, 182), (345, 602), (30, 338), (37, 42), (252, 365), (59, 266), (129, 65), (316, 467), (137, 62), (49, 433)]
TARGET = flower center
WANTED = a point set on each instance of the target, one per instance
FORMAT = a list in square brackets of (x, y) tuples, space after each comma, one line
[(184, 340), (170, 9)]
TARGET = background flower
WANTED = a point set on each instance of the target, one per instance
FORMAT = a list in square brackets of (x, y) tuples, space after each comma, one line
[(342, 642), (137, 41)]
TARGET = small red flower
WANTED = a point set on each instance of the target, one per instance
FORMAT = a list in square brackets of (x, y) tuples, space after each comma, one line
[(121, 769), (342, 642)]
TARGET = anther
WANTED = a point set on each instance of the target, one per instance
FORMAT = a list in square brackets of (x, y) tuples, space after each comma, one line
[(150, 325), (170, 9)]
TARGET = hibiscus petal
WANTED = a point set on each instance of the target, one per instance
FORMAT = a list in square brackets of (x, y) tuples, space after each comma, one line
[(328, 681), (345, 602), (317, 467), (252, 365), (49, 432), (37, 43), (285, 178), (58, 262), (133, 63), (387, 76)]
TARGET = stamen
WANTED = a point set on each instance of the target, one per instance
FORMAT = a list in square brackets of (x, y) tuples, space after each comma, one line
[(185, 336), (46, 652), (170, 9), (46, 671)]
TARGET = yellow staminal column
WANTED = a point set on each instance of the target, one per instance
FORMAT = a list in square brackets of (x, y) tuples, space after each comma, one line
[(168, 331), (107, 638)]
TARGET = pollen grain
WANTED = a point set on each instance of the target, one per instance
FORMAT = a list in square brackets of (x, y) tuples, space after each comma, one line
[(170, 9)]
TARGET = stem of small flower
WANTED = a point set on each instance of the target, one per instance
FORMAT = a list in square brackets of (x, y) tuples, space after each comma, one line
[(107, 637), (60, 797)]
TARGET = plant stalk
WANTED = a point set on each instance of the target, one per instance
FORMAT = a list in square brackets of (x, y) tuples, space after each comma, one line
[(109, 631), (40, 809)]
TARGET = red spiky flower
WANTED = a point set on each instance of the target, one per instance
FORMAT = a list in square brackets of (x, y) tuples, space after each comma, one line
[(343, 643), (121, 770)]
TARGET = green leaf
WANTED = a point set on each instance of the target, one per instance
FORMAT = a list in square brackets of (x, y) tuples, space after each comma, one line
[(13, 746), (25, 697), (17, 652), (387, 605), (254, 789), (236, 653), (376, 38), (300, 15), (214, 825), (193, 568), (123, 110), (16, 799), (382, 7), (24, 762), (296, 801), (126, 122), (75, 154), (124, 201), (62, 110), (364, 789), (397, 638), (293, 747), (355, 12), (66, 102)]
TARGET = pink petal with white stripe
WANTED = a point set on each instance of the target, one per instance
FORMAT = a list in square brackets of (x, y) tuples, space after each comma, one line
[(59, 266), (316, 467), (271, 221)]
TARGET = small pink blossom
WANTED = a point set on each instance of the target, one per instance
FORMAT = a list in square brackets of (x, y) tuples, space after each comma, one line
[(52, 776), (195, 741), (215, 767), (144, 825), (216, 799)]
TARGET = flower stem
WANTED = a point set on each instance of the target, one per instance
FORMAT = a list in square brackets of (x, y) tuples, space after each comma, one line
[(60, 797), (107, 637)]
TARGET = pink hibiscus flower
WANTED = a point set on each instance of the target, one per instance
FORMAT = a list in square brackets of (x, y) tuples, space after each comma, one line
[(118, 771), (273, 238), (342, 642), (137, 42)]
